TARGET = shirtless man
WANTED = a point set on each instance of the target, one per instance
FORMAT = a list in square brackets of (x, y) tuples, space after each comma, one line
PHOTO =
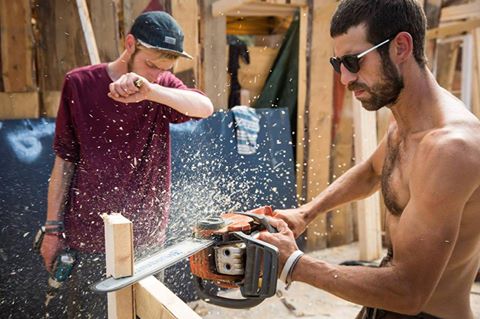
[(427, 166)]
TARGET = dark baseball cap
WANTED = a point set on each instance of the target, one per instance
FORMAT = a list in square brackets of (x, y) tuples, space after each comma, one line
[(158, 30)]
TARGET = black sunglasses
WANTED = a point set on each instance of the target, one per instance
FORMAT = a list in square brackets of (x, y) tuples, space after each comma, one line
[(352, 61)]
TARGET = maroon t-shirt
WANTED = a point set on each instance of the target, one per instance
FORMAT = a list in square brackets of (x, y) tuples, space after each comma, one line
[(122, 156)]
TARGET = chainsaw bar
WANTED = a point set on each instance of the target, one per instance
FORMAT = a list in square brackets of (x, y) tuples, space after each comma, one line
[(154, 264)]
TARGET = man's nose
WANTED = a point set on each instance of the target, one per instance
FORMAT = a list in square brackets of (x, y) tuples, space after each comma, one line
[(346, 77)]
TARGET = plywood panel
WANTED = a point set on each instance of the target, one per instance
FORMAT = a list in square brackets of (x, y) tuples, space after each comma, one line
[(16, 46)]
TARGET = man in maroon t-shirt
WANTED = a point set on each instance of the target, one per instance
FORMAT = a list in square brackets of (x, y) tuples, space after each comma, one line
[(112, 151)]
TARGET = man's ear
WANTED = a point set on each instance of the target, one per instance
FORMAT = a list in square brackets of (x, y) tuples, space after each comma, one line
[(402, 47), (130, 43)]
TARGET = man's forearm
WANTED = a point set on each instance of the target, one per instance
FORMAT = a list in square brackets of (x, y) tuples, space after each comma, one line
[(358, 182), (184, 101), (372, 287), (58, 188)]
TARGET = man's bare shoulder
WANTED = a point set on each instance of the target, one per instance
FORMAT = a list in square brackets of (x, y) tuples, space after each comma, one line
[(453, 146)]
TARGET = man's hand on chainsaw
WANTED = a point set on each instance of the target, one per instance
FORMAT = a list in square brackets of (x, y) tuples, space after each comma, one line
[(130, 88), (283, 240), (295, 219)]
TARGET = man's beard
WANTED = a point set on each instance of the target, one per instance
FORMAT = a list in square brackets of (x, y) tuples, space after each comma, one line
[(383, 93)]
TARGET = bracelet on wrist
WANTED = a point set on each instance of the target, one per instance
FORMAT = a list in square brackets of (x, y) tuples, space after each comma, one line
[(286, 274)]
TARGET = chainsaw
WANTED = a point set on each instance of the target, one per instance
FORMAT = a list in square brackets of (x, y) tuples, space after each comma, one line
[(223, 251)]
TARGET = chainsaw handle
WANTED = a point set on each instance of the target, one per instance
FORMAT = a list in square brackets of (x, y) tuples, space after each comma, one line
[(261, 219)]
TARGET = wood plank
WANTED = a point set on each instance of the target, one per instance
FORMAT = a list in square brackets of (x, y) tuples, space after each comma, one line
[(16, 46), (252, 8), (432, 11), (121, 304), (21, 105), (453, 29), (369, 232), (119, 259), (61, 45), (224, 7), (105, 23), (50, 103), (88, 34), (340, 223), (461, 11), (320, 114), (155, 301), (476, 74), (447, 55), (213, 75), (118, 245), (186, 12), (301, 101)]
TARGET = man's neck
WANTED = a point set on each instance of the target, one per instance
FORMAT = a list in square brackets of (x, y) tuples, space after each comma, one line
[(416, 107), (118, 67)]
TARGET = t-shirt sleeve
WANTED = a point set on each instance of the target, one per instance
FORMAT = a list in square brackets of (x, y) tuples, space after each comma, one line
[(168, 79), (65, 142)]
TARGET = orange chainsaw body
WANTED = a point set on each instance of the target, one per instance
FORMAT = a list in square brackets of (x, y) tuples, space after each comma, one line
[(202, 264)]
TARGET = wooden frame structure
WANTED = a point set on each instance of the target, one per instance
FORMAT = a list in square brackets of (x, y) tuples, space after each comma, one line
[(147, 299)]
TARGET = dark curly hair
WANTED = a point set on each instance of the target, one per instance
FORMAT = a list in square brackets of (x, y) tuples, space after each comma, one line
[(383, 19)]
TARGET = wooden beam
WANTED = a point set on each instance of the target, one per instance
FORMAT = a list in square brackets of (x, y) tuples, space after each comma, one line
[(461, 12), (369, 230), (88, 31), (50, 103), (476, 73), (22, 105), (119, 259), (155, 301), (254, 8), (340, 222), (16, 46), (319, 118), (213, 40), (301, 143), (453, 29)]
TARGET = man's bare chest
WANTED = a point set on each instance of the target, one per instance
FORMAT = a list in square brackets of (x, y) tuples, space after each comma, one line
[(396, 175)]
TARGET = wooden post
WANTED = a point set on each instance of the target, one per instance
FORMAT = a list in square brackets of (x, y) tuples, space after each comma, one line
[(88, 32), (369, 230), (155, 301), (119, 259), (147, 299), (213, 40), (476, 73), (317, 119)]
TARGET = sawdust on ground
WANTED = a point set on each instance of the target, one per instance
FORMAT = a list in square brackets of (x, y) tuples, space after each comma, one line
[(302, 300)]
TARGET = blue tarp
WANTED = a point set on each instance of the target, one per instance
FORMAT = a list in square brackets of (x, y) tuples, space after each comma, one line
[(208, 177)]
